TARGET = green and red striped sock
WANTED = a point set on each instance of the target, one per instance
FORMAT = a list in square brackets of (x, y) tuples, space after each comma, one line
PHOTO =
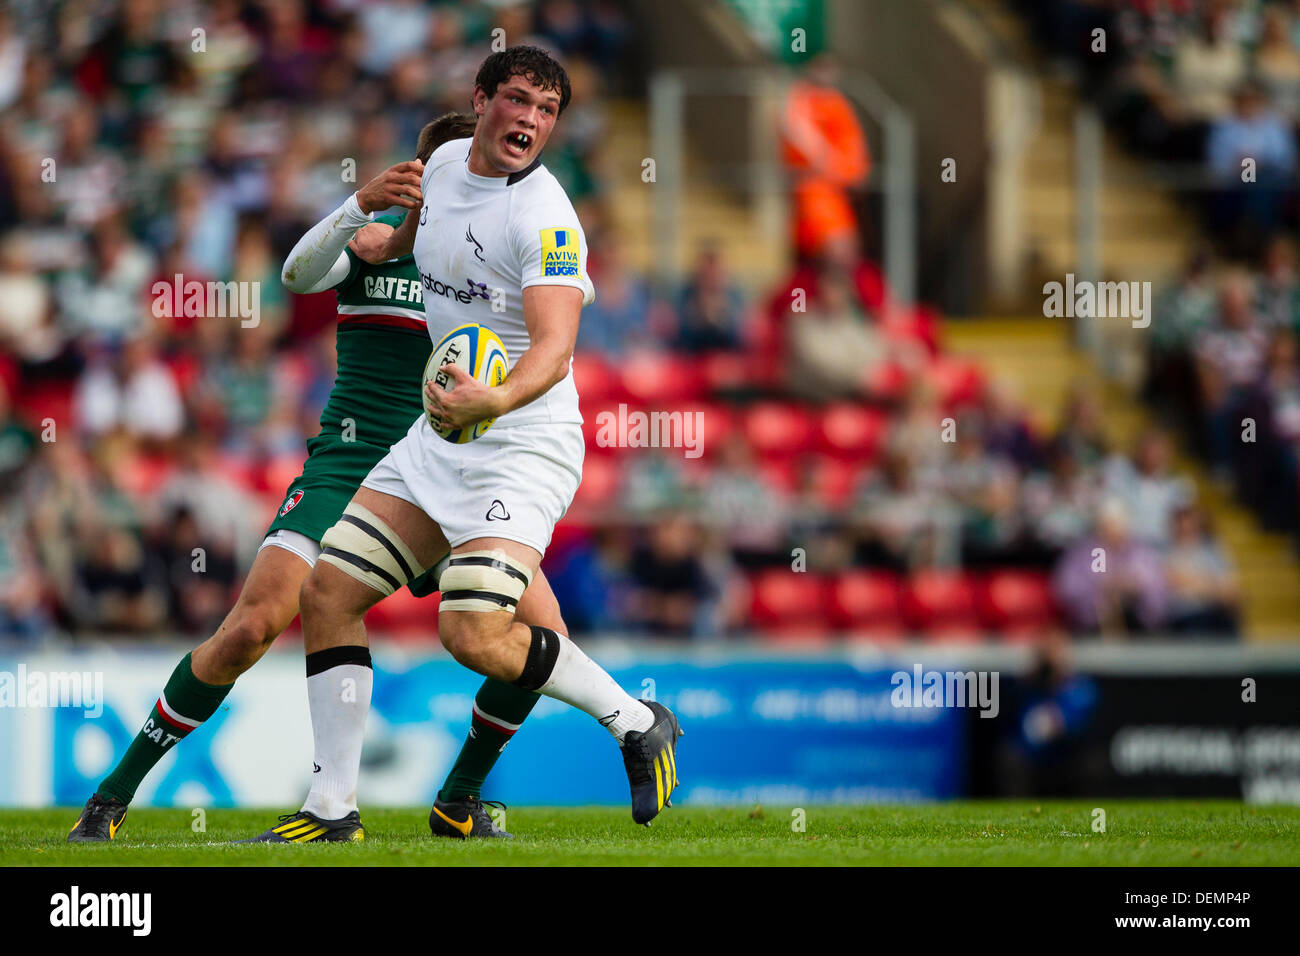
[(499, 710), (185, 703)]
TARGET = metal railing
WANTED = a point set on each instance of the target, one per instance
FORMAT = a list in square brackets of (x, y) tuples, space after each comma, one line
[(762, 175)]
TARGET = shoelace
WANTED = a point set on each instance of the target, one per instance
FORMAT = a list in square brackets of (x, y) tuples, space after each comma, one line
[(638, 759), (98, 811), (476, 809)]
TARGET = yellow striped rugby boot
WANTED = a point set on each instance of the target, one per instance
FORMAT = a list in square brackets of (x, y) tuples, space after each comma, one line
[(304, 827), (650, 759)]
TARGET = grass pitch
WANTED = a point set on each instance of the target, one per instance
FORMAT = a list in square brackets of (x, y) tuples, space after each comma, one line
[(967, 833)]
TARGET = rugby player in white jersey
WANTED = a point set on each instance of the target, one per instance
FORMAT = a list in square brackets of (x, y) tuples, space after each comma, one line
[(502, 229)]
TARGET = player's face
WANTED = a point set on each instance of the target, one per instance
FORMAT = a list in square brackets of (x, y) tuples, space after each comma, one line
[(514, 124)]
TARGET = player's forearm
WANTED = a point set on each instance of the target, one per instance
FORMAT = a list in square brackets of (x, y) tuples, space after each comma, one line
[(320, 247), (544, 365), (402, 240)]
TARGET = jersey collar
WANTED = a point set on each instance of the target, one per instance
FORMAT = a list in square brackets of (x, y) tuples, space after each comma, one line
[(500, 182)]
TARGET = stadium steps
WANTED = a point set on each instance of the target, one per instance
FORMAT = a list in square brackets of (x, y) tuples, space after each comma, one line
[(1036, 358), (1145, 234), (708, 212)]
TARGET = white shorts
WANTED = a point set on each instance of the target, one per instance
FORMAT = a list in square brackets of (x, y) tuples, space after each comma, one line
[(295, 542), (515, 482)]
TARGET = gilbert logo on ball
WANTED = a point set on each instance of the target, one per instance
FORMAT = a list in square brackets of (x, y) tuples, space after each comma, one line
[(480, 352)]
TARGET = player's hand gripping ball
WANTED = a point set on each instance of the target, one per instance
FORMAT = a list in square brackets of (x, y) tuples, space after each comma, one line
[(479, 351)]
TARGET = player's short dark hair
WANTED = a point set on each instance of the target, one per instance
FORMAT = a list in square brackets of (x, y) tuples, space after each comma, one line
[(532, 63), (444, 129)]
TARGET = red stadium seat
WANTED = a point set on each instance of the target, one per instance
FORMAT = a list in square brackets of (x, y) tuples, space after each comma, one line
[(726, 371), (766, 370), (142, 475), (602, 478), (832, 480), (1017, 604), (867, 602), (596, 382), (281, 470), (789, 602), (955, 381), (779, 428), (887, 381), (941, 604), (657, 379), (850, 431)]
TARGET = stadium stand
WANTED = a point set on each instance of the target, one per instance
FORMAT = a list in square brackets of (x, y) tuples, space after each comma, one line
[(176, 433)]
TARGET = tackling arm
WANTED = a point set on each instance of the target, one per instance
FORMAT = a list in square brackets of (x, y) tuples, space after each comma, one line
[(315, 262), (400, 241), (318, 262)]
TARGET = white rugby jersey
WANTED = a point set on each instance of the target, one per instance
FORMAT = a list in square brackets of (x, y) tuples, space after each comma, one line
[(486, 238)]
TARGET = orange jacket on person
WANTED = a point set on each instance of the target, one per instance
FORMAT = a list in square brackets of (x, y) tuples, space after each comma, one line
[(823, 145)]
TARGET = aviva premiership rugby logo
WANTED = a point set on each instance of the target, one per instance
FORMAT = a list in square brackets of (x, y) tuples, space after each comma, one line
[(291, 502), (559, 252)]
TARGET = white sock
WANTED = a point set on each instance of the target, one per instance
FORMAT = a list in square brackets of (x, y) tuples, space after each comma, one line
[(581, 682), (339, 699)]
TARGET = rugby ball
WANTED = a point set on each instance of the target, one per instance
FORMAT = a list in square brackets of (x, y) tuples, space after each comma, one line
[(479, 351)]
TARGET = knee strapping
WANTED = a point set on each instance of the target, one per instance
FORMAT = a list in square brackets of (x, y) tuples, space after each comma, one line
[(363, 546), (482, 581)]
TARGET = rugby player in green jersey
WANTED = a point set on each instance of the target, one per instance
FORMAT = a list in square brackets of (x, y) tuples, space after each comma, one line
[(382, 346)]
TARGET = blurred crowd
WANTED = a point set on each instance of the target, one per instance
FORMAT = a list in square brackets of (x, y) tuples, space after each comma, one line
[(939, 508), (142, 141), (1213, 85), (848, 476), (1208, 83), (1223, 365)]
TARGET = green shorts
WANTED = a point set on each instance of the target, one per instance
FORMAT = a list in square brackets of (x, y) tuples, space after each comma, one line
[(314, 501)]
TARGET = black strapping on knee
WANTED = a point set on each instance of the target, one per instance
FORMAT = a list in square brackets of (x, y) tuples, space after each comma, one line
[(542, 654), (320, 661)]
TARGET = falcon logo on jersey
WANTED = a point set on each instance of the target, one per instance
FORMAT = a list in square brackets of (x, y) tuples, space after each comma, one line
[(560, 252), (291, 502), (478, 246)]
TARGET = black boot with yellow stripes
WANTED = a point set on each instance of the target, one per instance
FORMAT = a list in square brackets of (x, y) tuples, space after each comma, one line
[(304, 827), (650, 759)]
